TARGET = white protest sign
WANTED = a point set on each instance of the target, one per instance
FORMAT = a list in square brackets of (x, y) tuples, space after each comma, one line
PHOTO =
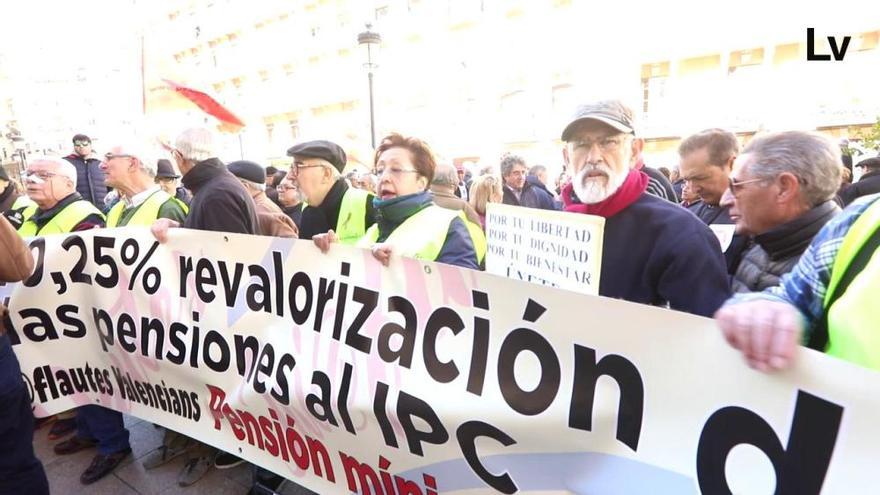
[(552, 248)]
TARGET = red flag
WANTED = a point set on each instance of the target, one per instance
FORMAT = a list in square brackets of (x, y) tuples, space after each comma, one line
[(206, 103)]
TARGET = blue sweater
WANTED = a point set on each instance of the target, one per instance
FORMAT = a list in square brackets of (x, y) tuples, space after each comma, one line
[(656, 252)]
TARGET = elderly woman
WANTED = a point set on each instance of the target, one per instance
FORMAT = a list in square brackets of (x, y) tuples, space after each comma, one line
[(484, 190), (410, 224)]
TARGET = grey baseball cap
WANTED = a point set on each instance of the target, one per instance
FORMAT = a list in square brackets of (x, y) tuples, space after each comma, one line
[(611, 112)]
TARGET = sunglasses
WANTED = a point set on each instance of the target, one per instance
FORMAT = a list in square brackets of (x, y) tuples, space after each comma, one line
[(80, 144)]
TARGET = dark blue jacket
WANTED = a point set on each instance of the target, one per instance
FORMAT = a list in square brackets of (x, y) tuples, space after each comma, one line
[(530, 197), (656, 252), (89, 179)]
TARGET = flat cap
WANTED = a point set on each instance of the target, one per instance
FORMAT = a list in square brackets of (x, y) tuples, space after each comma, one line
[(326, 150), (246, 170)]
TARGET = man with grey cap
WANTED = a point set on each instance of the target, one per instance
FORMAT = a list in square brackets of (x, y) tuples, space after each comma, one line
[(273, 222), (332, 205), (654, 252)]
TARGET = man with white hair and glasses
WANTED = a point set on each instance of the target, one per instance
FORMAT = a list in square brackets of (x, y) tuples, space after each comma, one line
[(654, 252), (129, 169), (50, 182)]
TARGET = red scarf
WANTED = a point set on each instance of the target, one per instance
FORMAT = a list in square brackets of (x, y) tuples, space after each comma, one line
[(633, 186)]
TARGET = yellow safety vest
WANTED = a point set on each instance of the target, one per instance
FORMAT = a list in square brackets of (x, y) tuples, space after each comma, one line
[(26, 205), (63, 222), (854, 317), (422, 235), (146, 213), (23, 202), (351, 224)]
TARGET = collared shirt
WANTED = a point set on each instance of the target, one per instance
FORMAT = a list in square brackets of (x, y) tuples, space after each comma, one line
[(805, 286), (139, 198)]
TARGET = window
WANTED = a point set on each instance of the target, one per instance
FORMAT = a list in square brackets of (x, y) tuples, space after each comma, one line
[(270, 129), (654, 79), (381, 12), (294, 129)]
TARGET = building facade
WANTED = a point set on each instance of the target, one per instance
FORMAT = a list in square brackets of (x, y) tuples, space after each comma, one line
[(479, 78)]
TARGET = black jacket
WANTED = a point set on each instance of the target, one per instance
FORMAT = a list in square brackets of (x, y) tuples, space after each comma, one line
[(295, 213), (319, 219), (220, 203), (867, 184), (89, 179), (776, 251)]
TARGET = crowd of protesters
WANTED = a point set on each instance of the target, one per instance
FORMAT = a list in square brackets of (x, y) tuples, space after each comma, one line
[(754, 235)]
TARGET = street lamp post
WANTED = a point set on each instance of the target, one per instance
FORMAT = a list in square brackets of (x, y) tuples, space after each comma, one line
[(370, 39)]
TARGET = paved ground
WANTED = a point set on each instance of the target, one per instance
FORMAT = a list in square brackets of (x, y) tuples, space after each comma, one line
[(130, 478)]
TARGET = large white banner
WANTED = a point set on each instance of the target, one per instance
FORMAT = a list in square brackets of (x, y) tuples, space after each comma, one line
[(422, 378), (551, 248)]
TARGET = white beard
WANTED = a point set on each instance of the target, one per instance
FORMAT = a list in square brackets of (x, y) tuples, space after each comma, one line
[(596, 189)]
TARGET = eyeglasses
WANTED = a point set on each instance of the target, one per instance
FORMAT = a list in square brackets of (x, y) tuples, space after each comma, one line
[(394, 171), (735, 186), (80, 144), (298, 166), (607, 144), (38, 177), (285, 188), (110, 156)]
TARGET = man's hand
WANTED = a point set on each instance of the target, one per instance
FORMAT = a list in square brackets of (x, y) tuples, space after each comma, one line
[(323, 241), (767, 332), (160, 228), (382, 252)]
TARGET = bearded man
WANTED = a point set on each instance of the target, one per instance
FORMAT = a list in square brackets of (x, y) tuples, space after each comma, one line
[(654, 252)]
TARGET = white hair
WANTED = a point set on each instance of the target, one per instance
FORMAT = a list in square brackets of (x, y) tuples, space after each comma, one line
[(196, 144), (65, 168), (145, 154), (253, 185)]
